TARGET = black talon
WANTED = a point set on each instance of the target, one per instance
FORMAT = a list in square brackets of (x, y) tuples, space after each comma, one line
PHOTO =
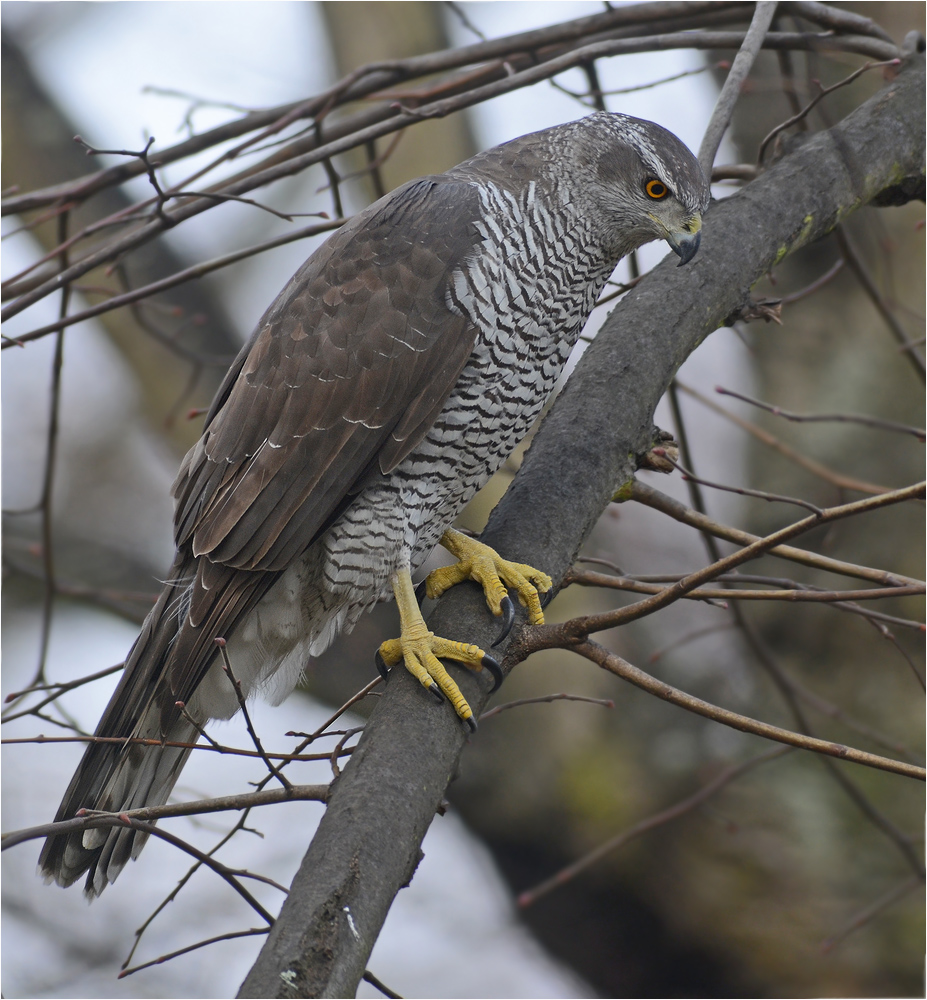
[(420, 590), (382, 668), (470, 724), (493, 667), (436, 692), (508, 619), (546, 597)]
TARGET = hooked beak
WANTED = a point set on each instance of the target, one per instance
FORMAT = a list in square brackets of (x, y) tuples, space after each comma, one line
[(685, 239), (685, 245)]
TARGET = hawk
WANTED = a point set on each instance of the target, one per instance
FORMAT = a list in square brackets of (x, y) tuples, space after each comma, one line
[(383, 387)]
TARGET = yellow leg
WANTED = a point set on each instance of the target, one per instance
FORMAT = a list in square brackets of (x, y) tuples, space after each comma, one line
[(420, 650), (496, 575)]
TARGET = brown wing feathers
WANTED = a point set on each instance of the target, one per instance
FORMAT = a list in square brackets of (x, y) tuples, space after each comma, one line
[(359, 342), (365, 341)]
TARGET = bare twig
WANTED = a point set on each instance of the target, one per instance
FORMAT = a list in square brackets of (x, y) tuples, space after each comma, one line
[(814, 467), (621, 668), (243, 706), (840, 20), (739, 490), (808, 418), (88, 819), (57, 689), (873, 910), (530, 896), (229, 936), (651, 497), (822, 93), (815, 285), (855, 261), (577, 629), (400, 117), (730, 92), (51, 456), (544, 699), (188, 274), (795, 594), (136, 740)]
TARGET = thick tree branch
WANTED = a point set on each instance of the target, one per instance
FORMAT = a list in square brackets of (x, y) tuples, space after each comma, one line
[(381, 806)]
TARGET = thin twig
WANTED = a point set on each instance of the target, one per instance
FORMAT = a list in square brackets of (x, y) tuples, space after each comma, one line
[(739, 490), (544, 699), (400, 117), (873, 910), (730, 92), (339, 749), (790, 692), (837, 479), (808, 418), (822, 93), (51, 455), (229, 936), (139, 741), (620, 667), (88, 819), (797, 594), (530, 896), (853, 258), (188, 274), (577, 629), (651, 497), (243, 705), (57, 689)]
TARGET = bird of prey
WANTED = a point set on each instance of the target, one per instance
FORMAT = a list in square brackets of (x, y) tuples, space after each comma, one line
[(383, 387)]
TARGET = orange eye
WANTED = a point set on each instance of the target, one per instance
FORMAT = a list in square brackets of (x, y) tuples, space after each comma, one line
[(656, 189)]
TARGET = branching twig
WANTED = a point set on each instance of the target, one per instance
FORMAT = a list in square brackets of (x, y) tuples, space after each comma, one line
[(188, 274), (822, 93), (88, 819), (577, 629), (837, 479), (246, 715), (231, 935), (651, 497)]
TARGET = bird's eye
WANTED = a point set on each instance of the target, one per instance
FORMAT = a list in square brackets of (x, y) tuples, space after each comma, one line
[(656, 189)]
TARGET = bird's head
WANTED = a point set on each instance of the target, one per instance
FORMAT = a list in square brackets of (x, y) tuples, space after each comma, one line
[(640, 182)]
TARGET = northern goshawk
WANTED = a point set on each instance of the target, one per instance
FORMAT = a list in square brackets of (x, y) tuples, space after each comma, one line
[(387, 382)]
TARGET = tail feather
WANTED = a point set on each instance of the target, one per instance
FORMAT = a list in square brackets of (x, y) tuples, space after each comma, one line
[(117, 776), (114, 778)]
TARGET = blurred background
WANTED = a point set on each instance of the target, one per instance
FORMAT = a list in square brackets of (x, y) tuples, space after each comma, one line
[(749, 894)]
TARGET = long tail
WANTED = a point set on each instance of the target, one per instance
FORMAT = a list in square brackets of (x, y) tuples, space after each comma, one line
[(117, 775)]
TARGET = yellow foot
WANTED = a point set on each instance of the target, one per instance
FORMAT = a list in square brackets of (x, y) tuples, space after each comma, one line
[(420, 650), (494, 574)]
